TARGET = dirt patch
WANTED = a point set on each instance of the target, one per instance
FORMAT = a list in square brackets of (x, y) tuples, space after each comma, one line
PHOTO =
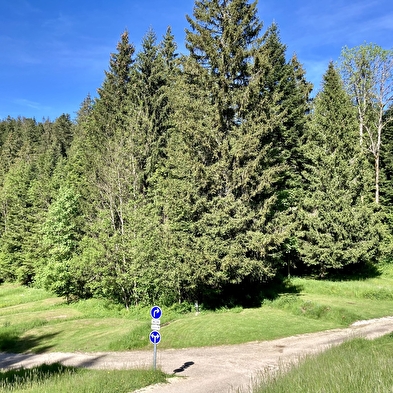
[(210, 369)]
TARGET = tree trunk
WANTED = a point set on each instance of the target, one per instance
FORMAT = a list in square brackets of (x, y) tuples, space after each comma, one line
[(376, 163)]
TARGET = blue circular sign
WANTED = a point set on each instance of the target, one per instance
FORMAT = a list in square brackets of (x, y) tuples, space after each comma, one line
[(156, 312), (155, 337)]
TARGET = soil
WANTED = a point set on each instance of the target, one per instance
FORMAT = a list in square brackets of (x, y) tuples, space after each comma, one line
[(221, 369)]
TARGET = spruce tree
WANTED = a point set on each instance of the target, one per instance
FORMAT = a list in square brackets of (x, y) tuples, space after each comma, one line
[(60, 243), (226, 160), (101, 169), (152, 79), (337, 223), (22, 208), (125, 148), (222, 38), (110, 108), (16, 221), (387, 179)]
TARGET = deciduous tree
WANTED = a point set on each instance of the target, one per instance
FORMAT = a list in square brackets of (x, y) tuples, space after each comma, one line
[(368, 75)]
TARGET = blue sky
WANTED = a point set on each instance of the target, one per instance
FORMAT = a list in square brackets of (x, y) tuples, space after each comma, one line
[(53, 53)]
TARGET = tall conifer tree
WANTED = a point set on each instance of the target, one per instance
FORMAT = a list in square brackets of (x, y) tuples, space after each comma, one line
[(227, 163), (338, 225)]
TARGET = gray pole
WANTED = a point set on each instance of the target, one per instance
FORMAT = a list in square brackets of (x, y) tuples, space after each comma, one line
[(155, 357)]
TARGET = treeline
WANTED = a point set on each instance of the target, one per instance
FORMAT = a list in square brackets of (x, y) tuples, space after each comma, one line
[(202, 176)]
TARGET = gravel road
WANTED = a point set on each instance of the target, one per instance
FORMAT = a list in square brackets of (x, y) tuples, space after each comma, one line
[(221, 369)]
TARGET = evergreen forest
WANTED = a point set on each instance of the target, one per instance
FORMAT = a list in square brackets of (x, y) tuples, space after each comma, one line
[(204, 176)]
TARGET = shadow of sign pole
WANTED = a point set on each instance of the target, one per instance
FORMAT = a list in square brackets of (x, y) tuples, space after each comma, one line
[(183, 367)]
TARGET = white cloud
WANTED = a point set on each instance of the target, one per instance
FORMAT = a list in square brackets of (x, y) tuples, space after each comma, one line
[(59, 26), (31, 104)]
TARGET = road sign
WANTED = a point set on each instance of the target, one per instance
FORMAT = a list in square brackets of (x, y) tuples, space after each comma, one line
[(155, 324), (156, 312), (155, 337)]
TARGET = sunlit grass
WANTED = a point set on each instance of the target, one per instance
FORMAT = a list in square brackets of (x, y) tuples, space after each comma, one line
[(212, 328), (32, 320), (60, 379), (46, 323), (13, 295), (358, 365), (87, 334)]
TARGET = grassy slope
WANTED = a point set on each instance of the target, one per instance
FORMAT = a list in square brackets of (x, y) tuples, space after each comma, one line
[(358, 365), (32, 320)]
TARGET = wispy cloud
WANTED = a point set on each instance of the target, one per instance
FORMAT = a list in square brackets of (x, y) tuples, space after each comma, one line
[(31, 104), (17, 52), (379, 28), (322, 16), (59, 26), (317, 31), (21, 8)]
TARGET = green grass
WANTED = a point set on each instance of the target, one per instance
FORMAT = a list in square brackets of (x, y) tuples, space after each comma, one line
[(32, 320), (60, 379), (14, 295), (358, 365), (229, 327)]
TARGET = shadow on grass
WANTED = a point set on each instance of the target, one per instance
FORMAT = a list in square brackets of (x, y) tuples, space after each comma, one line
[(355, 273), (17, 378), (12, 342), (249, 294), (351, 272)]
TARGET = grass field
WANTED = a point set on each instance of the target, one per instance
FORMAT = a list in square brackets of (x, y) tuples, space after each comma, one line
[(59, 379), (32, 320), (358, 365)]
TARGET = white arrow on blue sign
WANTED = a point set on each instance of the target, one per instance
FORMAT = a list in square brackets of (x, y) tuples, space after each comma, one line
[(156, 312), (155, 337)]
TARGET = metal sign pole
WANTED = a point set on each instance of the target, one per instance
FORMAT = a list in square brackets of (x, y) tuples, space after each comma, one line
[(155, 357)]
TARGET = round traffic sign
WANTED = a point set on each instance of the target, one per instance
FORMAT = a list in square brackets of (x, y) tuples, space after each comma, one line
[(155, 337), (156, 312)]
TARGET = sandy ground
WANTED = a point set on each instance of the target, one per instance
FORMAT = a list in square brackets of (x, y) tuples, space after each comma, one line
[(209, 369)]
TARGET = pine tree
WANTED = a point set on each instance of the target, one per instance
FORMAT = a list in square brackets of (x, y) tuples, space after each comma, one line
[(60, 241), (110, 109), (21, 209), (338, 225), (225, 159), (16, 221), (221, 40), (152, 79), (120, 168)]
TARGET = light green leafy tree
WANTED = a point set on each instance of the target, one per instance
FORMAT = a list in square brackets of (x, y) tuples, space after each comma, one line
[(368, 75)]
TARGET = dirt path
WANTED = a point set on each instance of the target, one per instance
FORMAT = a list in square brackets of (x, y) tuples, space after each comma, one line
[(209, 369)]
